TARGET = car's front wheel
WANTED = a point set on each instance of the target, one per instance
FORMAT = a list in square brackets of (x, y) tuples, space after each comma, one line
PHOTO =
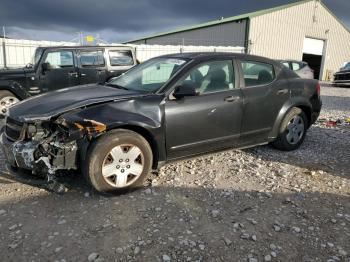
[(118, 161), (293, 130)]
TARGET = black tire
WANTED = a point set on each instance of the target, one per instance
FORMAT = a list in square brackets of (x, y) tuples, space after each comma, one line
[(3, 94), (282, 142), (100, 150)]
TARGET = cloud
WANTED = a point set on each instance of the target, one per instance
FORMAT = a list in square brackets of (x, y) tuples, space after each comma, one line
[(118, 20)]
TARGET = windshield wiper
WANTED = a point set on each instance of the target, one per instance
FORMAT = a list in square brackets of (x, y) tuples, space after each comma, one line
[(117, 86)]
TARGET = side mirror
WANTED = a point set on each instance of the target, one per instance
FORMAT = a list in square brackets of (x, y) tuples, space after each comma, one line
[(184, 90), (45, 67)]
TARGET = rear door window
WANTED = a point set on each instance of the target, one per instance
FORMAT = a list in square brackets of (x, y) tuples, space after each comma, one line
[(92, 58), (286, 64), (121, 57), (257, 73)]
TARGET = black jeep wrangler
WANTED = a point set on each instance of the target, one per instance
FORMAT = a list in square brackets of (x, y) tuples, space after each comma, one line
[(64, 66)]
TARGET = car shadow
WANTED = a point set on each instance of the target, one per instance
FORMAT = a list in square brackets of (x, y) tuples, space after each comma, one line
[(206, 224), (70, 180)]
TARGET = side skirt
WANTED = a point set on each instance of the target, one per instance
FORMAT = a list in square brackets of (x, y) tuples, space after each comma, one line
[(163, 163)]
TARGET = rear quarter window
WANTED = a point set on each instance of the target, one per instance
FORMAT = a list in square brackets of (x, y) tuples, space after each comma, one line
[(257, 73), (296, 66)]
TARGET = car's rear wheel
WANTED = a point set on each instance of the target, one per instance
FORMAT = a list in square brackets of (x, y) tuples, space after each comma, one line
[(7, 99), (293, 130), (119, 161)]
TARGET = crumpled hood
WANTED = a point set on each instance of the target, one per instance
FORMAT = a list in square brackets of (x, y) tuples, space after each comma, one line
[(51, 104)]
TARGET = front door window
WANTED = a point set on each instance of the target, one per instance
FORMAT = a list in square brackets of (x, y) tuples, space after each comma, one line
[(60, 59), (211, 77)]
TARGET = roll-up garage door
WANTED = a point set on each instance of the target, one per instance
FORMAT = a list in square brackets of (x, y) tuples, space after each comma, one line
[(313, 55), (313, 46)]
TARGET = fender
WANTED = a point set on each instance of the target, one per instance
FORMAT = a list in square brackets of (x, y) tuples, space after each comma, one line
[(124, 114), (14, 87), (293, 102)]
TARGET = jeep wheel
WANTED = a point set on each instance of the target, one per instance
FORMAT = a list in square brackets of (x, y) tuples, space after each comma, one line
[(118, 161), (292, 131), (7, 99)]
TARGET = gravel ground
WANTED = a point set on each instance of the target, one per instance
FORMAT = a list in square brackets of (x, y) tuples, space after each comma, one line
[(251, 205)]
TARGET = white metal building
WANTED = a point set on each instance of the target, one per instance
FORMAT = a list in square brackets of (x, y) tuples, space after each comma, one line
[(305, 30)]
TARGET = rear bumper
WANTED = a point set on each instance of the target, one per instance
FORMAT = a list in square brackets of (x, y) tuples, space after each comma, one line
[(316, 110), (314, 117)]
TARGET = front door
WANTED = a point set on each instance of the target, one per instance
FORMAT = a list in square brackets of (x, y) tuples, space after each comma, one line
[(60, 72), (209, 121), (92, 66)]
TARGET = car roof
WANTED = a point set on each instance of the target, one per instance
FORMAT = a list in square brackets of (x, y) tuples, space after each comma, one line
[(290, 60), (211, 55), (84, 47)]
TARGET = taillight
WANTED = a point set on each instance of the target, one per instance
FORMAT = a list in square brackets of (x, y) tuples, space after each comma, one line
[(318, 89)]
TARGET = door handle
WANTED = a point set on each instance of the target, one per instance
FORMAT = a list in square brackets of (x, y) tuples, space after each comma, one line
[(73, 74), (231, 98), (282, 91)]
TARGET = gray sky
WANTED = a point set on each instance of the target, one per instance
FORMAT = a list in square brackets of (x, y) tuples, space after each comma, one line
[(119, 20)]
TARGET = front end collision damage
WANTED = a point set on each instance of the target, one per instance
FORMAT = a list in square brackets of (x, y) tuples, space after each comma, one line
[(51, 146)]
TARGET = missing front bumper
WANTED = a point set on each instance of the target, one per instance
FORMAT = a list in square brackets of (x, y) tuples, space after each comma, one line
[(32, 155)]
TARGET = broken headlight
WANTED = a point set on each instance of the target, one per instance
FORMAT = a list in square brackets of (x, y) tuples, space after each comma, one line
[(31, 130), (91, 126)]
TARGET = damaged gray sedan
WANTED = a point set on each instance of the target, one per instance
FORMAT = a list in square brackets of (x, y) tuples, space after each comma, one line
[(167, 108)]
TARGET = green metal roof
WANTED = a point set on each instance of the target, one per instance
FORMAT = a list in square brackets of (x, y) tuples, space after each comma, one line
[(225, 20), (237, 18)]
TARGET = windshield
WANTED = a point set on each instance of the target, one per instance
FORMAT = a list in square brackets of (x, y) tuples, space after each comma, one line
[(149, 76), (36, 56), (347, 66)]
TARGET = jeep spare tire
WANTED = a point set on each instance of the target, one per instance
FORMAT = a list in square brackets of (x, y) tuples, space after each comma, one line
[(7, 99)]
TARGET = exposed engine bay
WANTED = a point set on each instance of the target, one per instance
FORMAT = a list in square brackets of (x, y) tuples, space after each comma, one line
[(48, 146)]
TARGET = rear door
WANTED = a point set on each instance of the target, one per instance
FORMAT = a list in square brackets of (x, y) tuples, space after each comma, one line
[(92, 66), (264, 94), (62, 71)]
